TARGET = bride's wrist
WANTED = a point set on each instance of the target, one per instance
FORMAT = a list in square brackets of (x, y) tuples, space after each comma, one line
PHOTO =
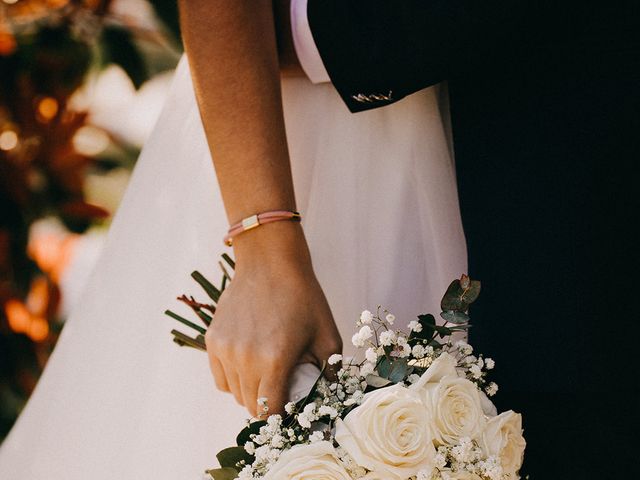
[(274, 245)]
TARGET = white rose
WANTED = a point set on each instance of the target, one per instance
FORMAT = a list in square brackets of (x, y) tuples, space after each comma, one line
[(454, 402), (315, 461), (503, 438), (488, 407), (444, 365), (389, 433)]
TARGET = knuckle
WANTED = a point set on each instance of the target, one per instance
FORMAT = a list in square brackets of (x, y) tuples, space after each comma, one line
[(221, 345), (270, 359)]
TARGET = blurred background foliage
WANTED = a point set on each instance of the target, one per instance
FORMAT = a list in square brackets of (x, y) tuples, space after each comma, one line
[(81, 84)]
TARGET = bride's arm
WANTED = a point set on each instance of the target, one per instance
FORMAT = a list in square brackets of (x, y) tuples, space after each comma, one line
[(274, 311)]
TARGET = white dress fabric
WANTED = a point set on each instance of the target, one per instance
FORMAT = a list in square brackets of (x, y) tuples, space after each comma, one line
[(118, 399)]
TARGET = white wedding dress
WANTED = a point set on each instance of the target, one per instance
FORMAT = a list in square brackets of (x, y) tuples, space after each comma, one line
[(118, 399)]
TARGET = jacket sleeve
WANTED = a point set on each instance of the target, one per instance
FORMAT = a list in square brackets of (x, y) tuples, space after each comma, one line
[(378, 51)]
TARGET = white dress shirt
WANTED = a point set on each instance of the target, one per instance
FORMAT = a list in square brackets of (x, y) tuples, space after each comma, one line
[(305, 46)]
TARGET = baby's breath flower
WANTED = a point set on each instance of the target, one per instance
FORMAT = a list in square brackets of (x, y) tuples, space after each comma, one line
[(327, 410), (491, 389), (423, 475), (418, 351), (414, 326), (489, 363), (307, 416), (464, 347), (390, 318), (440, 459), (335, 358), (404, 350), (387, 338), (366, 317), (367, 369), (263, 404), (475, 370), (371, 355), (360, 338), (250, 448)]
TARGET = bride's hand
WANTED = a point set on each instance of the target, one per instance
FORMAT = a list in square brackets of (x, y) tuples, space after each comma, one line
[(272, 317), (274, 314)]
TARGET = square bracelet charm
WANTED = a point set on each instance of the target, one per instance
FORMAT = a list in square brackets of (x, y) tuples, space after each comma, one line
[(250, 222)]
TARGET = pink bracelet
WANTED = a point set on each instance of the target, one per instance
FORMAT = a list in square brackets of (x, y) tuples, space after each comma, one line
[(259, 219)]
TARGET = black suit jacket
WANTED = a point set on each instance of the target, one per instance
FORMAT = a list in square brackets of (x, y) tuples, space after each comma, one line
[(545, 104)]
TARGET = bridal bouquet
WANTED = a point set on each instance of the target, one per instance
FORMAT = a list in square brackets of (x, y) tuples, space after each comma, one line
[(410, 406)]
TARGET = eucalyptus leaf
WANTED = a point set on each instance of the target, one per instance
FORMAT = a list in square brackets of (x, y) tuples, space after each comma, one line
[(393, 370), (232, 456), (455, 317), (223, 473), (384, 367), (453, 298), (399, 370), (472, 292)]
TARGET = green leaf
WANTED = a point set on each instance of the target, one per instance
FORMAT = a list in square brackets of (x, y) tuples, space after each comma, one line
[(223, 473), (245, 435), (471, 293), (426, 319), (232, 456), (400, 370), (384, 367), (452, 299), (185, 340), (460, 294), (428, 323), (208, 287), (442, 330), (455, 317), (394, 370), (183, 320), (229, 260), (204, 317)]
